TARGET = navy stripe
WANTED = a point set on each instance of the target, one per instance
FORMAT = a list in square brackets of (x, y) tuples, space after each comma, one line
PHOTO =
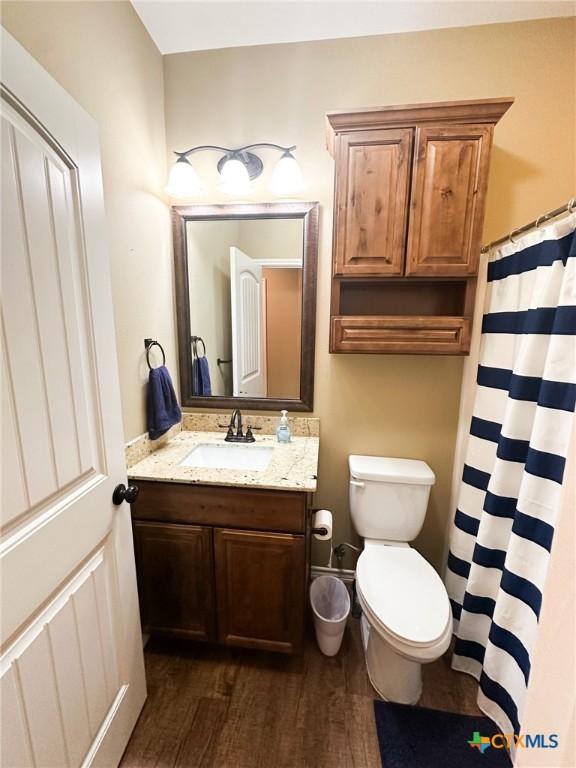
[(500, 506), (539, 463), (458, 566), (546, 465), (487, 430), (522, 589), (466, 523), (525, 387), (510, 643), (548, 394), (510, 449), (488, 558), (557, 394), (494, 691), (474, 477), (476, 604), (538, 255), (456, 609), (544, 320), (533, 529), (497, 378), (469, 648)]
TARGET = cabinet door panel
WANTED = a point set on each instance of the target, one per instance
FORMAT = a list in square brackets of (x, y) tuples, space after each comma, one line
[(174, 564), (261, 583), (372, 184), (448, 190)]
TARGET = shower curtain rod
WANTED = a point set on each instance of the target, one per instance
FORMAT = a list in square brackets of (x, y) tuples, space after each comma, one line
[(567, 208)]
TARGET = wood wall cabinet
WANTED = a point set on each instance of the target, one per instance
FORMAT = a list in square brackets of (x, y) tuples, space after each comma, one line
[(223, 564), (447, 203), (410, 190), (372, 202)]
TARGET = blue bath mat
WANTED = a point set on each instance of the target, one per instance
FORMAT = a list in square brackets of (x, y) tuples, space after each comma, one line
[(415, 737)]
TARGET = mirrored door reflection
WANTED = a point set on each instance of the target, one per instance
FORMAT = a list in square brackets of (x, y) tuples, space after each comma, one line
[(245, 290)]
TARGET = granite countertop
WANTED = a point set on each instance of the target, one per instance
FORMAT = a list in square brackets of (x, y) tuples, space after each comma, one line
[(293, 466)]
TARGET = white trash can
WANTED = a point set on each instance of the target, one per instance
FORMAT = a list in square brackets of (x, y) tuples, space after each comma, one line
[(330, 607)]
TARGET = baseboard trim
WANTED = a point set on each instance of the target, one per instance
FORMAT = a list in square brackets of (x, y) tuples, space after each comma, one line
[(345, 574)]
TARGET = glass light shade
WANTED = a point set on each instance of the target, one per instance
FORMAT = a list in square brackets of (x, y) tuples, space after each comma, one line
[(286, 177), (235, 178), (183, 180)]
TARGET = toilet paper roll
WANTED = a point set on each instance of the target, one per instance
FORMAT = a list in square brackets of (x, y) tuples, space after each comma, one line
[(322, 519)]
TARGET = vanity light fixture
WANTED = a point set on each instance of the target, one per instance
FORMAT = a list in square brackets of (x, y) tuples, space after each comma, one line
[(235, 177), (237, 168), (183, 180), (286, 176)]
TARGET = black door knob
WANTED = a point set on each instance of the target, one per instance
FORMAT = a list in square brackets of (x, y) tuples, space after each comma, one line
[(121, 493)]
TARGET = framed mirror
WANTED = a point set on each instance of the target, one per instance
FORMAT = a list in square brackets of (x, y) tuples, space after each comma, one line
[(246, 304)]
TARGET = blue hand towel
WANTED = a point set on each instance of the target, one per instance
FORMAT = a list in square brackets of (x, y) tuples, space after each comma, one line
[(201, 384), (205, 376), (196, 380), (162, 409)]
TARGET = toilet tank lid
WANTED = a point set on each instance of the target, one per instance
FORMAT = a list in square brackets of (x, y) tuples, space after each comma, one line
[(389, 470)]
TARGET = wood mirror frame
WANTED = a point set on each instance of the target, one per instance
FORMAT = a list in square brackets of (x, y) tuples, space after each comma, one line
[(308, 212)]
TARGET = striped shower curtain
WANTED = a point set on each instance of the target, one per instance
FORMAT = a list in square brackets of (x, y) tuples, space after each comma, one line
[(515, 462)]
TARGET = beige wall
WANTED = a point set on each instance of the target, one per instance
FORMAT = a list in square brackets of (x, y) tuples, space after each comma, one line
[(390, 405), (209, 245), (102, 55), (283, 331), (272, 238), (404, 406)]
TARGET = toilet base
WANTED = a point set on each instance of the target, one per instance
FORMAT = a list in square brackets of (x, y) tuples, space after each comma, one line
[(393, 677)]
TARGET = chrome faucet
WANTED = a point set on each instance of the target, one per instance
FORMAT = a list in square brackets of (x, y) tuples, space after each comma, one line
[(236, 423)]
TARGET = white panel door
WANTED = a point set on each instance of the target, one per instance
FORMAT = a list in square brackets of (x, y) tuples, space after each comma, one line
[(248, 366), (71, 663)]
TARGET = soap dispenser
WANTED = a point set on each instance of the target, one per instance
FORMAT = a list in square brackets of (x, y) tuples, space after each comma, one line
[(283, 430)]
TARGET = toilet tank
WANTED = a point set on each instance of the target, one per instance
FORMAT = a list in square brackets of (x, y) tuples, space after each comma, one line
[(389, 497)]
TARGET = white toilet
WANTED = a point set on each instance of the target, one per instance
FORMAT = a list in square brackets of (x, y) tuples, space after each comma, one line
[(406, 618)]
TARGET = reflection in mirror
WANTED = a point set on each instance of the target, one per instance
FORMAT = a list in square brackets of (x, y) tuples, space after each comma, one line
[(245, 294)]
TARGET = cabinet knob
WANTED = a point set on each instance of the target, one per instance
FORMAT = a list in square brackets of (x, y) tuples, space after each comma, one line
[(121, 493)]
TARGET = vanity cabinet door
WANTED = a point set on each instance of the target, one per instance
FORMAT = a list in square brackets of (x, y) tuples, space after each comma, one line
[(371, 201), (261, 585), (449, 183), (174, 565)]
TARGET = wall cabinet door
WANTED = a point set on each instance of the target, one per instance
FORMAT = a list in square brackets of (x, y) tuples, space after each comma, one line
[(371, 200), (447, 207), (174, 564), (261, 583)]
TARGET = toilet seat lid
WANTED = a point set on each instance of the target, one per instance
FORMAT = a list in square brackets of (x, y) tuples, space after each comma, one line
[(404, 593)]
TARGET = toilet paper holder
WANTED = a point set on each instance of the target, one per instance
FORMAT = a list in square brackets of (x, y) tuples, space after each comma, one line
[(319, 530)]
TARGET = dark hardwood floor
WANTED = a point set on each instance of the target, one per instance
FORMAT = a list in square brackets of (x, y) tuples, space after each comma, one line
[(211, 707)]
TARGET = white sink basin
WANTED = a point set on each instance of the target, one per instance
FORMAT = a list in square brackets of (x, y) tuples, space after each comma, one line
[(226, 456)]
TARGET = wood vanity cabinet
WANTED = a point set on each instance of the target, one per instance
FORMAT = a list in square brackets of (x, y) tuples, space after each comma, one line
[(259, 582), (175, 573), (227, 565), (409, 198)]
